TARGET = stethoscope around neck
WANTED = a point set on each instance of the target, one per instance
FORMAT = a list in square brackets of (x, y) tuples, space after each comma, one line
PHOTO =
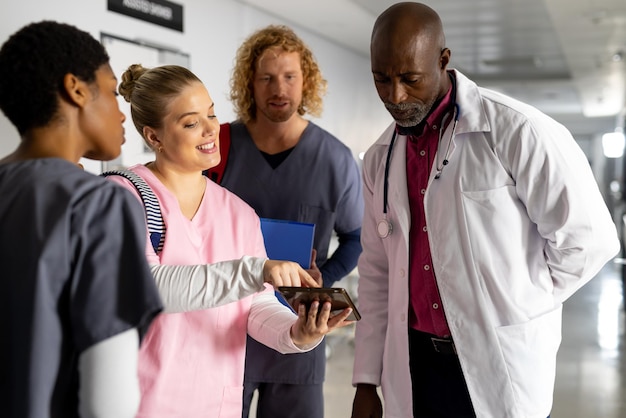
[(384, 226)]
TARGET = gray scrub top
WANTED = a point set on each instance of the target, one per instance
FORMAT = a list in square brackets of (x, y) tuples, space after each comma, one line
[(73, 273), (319, 182)]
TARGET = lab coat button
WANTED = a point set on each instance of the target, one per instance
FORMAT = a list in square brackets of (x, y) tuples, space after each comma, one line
[(402, 318), (401, 273)]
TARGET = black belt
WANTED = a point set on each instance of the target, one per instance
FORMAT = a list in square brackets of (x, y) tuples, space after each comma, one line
[(434, 343), (443, 345)]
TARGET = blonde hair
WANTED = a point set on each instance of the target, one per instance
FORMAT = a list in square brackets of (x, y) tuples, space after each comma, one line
[(274, 36), (150, 90)]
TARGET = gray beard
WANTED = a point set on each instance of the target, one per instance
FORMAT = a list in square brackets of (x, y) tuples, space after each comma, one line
[(420, 112)]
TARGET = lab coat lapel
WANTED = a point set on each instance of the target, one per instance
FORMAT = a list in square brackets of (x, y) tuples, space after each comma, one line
[(398, 192)]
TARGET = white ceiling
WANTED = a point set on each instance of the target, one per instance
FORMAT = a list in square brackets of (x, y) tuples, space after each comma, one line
[(559, 55)]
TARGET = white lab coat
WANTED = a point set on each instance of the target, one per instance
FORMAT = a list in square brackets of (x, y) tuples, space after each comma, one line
[(516, 225)]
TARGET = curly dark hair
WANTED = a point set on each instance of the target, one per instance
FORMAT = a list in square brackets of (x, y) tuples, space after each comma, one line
[(274, 36), (33, 63)]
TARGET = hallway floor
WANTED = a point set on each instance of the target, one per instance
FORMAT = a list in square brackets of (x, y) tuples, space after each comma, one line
[(591, 367)]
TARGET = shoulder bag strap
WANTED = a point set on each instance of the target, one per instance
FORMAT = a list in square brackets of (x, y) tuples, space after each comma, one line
[(156, 226)]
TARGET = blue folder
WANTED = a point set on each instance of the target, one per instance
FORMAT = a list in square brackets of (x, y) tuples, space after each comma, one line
[(288, 240)]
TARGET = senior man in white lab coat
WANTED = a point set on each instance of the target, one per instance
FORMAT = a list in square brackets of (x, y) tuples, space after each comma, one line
[(482, 216)]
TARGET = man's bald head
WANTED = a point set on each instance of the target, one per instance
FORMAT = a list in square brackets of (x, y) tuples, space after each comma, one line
[(403, 21), (409, 61)]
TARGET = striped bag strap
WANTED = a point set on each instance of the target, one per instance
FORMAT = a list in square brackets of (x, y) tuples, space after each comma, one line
[(156, 226)]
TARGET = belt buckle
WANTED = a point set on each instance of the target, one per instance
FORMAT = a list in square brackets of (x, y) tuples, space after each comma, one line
[(443, 345)]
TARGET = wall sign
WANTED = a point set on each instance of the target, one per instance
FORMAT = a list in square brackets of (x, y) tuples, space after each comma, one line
[(160, 12)]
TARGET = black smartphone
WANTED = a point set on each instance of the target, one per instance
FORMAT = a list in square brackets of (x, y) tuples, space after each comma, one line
[(337, 296)]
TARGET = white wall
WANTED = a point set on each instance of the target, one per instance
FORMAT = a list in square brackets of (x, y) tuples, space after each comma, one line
[(213, 29)]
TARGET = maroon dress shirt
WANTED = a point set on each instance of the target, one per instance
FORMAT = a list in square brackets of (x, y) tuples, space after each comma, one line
[(426, 312)]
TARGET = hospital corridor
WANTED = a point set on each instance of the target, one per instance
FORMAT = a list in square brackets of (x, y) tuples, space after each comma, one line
[(591, 364)]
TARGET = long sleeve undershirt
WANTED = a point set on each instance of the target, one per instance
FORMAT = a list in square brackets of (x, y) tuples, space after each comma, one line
[(344, 259), (194, 287)]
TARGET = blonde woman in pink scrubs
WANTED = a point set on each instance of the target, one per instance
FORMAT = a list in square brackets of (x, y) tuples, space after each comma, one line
[(192, 361)]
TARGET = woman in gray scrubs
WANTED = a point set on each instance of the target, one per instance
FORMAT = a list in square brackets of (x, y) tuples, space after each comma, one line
[(77, 292)]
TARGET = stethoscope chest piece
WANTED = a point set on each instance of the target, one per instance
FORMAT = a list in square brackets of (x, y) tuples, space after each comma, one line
[(384, 228)]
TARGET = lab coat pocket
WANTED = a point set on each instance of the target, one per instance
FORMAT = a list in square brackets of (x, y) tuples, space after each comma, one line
[(529, 351), (232, 399), (495, 219)]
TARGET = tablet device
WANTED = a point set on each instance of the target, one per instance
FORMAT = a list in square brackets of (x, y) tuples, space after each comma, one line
[(338, 297)]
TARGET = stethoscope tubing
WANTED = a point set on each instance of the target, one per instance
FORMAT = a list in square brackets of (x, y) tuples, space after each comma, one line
[(384, 226)]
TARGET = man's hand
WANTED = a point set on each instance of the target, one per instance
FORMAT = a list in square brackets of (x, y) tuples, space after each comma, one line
[(314, 271), (287, 273), (366, 403)]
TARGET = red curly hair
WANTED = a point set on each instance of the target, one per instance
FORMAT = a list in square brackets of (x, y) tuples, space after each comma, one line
[(274, 36)]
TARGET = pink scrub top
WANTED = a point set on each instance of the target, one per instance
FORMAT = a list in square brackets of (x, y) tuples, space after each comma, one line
[(192, 364)]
